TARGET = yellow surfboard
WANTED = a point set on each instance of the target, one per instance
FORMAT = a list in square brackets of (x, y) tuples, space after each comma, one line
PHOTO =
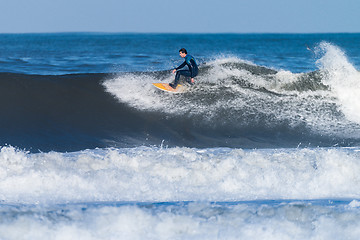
[(165, 87)]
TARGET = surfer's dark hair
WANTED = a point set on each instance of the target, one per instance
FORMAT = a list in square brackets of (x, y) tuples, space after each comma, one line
[(183, 50)]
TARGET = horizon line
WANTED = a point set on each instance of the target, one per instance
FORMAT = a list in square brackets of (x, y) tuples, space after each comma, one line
[(138, 32)]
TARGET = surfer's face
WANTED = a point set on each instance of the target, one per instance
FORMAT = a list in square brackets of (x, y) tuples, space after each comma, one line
[(182, 54)]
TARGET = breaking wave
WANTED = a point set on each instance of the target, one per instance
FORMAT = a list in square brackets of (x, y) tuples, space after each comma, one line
[(233, 104)]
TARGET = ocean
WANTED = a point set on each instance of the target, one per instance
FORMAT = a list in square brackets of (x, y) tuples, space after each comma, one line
[(265, 145)]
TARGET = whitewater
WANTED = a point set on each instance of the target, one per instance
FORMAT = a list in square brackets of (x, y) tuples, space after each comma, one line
[(262, 147), (180, 193)]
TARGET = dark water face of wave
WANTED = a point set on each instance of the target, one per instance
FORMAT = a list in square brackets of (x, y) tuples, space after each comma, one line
[(74, 112), (61, 113)]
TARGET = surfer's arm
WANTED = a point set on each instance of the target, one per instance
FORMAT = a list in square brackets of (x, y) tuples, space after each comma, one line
[(191, 65), (181, 66), (191, 68)]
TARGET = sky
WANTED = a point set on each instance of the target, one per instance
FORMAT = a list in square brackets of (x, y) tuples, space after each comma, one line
[(180, 16)]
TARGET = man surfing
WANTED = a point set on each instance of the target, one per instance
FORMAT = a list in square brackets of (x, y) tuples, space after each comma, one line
[(192, 72)]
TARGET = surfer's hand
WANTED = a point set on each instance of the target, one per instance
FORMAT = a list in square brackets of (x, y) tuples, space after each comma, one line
[(174, 71), (192, 80)]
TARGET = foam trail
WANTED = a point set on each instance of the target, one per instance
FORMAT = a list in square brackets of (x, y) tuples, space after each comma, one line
[(137, 91)]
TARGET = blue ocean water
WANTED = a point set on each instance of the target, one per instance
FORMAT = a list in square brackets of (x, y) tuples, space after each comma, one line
[(265, 145)]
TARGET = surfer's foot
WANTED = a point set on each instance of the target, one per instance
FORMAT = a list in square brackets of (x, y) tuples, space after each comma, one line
[(172, 85)]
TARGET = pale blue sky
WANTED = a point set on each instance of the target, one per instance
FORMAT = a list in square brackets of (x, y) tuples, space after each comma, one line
[(238, 16)]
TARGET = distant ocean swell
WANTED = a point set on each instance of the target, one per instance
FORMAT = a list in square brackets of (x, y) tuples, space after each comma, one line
[(234, 104)]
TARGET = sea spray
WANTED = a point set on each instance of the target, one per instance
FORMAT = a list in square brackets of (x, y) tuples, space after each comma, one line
[(342, 77)]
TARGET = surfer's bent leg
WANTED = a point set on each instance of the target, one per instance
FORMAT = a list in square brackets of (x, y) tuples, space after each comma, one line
[(185, 73)]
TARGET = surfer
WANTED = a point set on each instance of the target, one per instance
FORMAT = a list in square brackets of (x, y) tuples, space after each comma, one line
[(192, 72)]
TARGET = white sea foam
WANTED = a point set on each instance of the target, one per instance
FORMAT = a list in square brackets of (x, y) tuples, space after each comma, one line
[(178, 174), (281, 221)]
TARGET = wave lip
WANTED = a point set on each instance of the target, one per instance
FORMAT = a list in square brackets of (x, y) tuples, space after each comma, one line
[(342, 78)]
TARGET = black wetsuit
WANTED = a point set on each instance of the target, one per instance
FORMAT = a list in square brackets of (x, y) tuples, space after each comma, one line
[(192, 72)]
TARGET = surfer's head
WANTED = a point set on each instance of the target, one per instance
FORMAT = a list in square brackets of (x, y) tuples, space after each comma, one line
[(183, 52)]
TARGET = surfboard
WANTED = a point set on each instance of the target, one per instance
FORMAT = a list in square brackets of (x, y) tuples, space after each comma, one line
[(165, 87)]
